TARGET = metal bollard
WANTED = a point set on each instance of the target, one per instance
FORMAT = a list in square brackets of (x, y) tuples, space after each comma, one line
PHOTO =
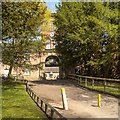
[(64, 99), (99, 100)]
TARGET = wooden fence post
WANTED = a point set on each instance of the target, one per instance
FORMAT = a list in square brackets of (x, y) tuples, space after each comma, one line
[(85, 82), (26, 86), (30, 92), (41, 103), (92, 83), (52, 113), (52, 110), (34, 96), (104, 85), (46, 107), (37, 100), (80, 81)]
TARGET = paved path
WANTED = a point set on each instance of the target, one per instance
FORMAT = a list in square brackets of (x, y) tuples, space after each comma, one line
[(82, 102)]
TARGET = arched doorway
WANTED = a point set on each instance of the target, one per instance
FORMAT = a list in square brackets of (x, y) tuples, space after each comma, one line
[(52, 67)]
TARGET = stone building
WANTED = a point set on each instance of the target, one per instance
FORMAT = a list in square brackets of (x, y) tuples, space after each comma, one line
[(48, 59)]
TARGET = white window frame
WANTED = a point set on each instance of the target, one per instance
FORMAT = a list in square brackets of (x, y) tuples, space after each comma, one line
[(26, 72), (48, 46)]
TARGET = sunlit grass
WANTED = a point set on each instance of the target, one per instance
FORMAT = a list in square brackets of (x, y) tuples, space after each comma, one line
[(108, 89), (16, 103)]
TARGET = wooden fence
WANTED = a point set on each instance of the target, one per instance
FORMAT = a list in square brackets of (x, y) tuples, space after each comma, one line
[(111, 86), (50, 112)]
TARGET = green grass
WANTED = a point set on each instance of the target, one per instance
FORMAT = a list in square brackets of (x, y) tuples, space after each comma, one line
[(108, 89), (16, 103)]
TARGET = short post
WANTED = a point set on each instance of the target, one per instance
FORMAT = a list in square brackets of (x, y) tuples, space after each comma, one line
[(26, 86), (46, 107), (92, 83), (30, 93), (85, 82), (104, 85), (34, 96), (41, 103), (99, 100), (52, 113), (37, 100), (64, 99), (80, 81)]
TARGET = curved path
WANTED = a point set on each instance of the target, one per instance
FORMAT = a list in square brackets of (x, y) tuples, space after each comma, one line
[(82, 103)]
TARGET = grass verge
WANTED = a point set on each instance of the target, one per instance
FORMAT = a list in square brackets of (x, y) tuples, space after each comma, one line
[(16, 103), (109, 90), (115, 91)]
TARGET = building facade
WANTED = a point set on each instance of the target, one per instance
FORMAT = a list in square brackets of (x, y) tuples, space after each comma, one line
[(48, 58)]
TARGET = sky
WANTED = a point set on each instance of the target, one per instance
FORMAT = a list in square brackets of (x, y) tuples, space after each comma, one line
[(51, 5)]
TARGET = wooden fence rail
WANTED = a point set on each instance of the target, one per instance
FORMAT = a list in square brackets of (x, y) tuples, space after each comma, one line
[(50, 112), (107, 85), (44, 105)]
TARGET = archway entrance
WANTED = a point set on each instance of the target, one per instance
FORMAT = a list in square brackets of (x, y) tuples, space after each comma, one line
[(52, 67)]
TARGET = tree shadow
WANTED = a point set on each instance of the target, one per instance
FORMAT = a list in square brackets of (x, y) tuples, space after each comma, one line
[(94, 105), (53, 82)]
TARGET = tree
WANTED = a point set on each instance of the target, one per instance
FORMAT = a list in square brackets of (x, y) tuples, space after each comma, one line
[(20, 28), (85, 30)]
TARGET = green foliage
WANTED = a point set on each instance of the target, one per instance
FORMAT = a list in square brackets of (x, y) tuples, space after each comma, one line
[(17, 104), (86, 30), (21, 22)]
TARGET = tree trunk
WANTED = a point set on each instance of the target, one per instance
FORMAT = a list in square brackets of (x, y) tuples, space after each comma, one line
[(106, 71), (10, 71), (69, 70)]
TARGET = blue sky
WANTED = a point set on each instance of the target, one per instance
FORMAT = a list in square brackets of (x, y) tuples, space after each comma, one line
[(51, 5)]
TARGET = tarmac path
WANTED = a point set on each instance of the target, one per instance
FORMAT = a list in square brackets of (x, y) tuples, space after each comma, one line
[(82, 103)]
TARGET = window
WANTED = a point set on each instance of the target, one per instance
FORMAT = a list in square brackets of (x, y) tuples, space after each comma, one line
[(50, 75), (52, 34), (48, 46), (54, 44), (6, 71), (26, 72), (27, 57)]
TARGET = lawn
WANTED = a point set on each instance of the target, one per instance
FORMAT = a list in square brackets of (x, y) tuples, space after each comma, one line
[(16, 103), (99, 86), (109, 90)]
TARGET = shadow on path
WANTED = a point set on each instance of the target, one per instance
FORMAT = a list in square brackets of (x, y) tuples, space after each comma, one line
[(81, 101), (53, 82)]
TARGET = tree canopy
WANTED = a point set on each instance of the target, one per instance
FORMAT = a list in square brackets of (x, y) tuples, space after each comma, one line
[(87, 36), (21, 23)]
